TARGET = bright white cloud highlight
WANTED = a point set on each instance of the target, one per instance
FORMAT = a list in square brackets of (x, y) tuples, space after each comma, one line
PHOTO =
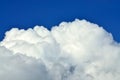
[(77, 50)]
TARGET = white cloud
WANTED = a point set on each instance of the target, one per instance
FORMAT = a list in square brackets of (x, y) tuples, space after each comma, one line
[(77, 50)]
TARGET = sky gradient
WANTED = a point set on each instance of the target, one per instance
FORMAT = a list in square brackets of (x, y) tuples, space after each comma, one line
[(28, 13)]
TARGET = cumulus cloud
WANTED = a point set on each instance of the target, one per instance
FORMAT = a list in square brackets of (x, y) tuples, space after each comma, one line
[(77, 50)]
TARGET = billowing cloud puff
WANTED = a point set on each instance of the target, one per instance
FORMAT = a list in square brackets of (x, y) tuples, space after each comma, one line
[(77, 50)]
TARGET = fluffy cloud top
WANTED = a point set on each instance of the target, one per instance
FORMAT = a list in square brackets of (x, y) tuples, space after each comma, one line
[(77, 50)]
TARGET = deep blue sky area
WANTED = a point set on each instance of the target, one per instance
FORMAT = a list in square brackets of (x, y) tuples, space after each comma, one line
[(28, 13)]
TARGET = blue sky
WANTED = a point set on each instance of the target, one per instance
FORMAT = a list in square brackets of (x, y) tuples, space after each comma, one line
[(28, 13)]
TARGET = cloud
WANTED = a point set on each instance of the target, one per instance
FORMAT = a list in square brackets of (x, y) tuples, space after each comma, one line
[(77, 50)]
